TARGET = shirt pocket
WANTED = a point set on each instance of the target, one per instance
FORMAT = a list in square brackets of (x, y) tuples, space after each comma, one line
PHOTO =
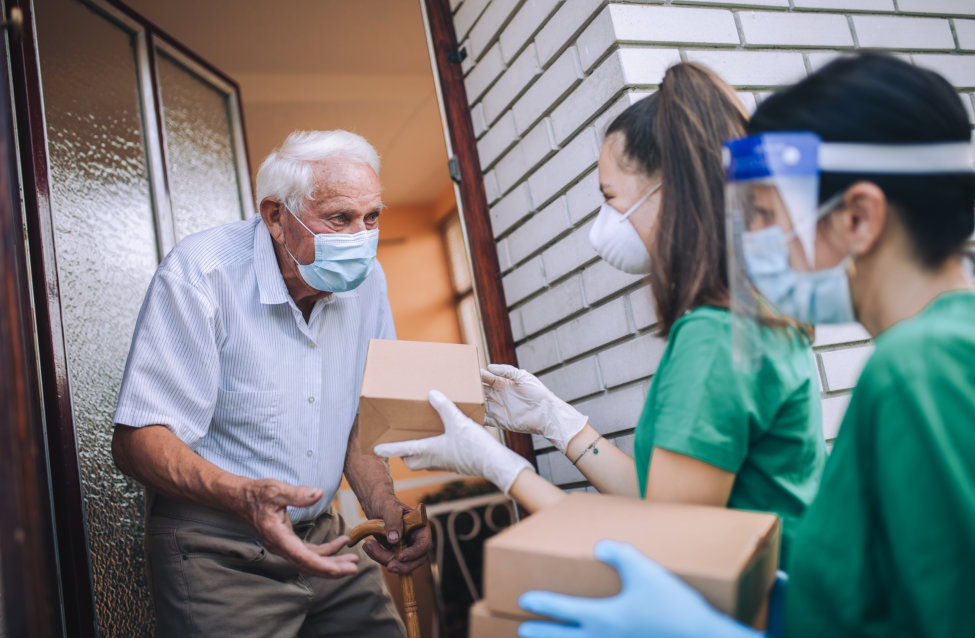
[(247, 425)]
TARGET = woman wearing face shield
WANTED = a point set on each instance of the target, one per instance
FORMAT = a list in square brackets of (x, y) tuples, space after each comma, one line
[(708, 434), (853, 198)]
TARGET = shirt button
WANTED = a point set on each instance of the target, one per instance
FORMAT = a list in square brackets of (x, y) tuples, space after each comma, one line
[(311, 399), (312, 344), (309, 452)]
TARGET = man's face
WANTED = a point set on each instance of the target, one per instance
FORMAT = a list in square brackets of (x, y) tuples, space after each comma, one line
[(347, 199)]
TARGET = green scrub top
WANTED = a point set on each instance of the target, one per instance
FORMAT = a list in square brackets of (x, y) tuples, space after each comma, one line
[(764, 426), (888, 547)]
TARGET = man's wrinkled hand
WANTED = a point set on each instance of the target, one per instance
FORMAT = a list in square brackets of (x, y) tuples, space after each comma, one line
[(418, 541), (264, 505)]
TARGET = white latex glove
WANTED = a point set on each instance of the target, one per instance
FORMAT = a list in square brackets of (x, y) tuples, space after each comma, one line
[(464, 447), (519, 402)]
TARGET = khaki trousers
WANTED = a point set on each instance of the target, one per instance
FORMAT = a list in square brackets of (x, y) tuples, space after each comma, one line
[(211, 576)]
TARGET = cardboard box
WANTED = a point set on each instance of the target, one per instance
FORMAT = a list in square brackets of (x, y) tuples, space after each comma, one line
[(393, 404), (482, 623), (729, 556)]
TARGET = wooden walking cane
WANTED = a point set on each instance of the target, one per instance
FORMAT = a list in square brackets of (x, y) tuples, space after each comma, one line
[(376, 527)]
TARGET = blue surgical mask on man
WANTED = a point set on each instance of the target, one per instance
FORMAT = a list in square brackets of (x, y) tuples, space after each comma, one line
[(342, 261), (820, 296)]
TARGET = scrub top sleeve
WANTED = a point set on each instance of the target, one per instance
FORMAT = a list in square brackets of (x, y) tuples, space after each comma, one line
[(699, 410), (172, 372), (926, 503)]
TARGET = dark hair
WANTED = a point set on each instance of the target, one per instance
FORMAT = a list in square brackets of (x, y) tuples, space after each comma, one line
[(876, 98), (678, 131)]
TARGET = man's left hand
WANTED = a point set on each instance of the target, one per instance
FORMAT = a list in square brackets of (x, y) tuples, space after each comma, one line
[(418, 541)]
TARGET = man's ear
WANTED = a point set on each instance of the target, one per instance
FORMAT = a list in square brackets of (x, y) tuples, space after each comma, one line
[(865, 216), (271, 212)]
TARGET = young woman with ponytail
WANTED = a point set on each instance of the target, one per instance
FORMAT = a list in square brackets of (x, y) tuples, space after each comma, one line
[(709, 434)]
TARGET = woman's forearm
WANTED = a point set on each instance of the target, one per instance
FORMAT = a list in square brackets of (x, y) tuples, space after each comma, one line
[(534, 492), (608, 468)]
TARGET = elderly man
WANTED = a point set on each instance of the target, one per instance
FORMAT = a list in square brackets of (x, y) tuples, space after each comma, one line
[(238, 409)]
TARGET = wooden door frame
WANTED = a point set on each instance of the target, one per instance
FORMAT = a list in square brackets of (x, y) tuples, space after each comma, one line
[(68, 581), (476, 212), (31, 605)]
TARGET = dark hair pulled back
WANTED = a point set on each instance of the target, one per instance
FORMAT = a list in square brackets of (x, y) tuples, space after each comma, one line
[(677, 133), (876, 98)]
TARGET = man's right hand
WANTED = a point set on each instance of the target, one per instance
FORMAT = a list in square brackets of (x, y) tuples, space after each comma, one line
[(263, 503)]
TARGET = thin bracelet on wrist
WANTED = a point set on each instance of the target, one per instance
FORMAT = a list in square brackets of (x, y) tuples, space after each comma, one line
[(591, 446)]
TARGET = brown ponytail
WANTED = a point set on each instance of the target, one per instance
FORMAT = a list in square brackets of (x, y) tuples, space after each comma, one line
[(678, 133)]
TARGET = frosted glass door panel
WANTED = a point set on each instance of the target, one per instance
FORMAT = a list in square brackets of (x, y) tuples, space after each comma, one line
[(106, 254), (200, 157)]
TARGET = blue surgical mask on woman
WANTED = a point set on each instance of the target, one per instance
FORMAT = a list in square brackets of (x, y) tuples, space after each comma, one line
[(820, 296), (342, 261)]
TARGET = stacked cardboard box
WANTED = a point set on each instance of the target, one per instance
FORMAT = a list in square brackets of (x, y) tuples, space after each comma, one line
[(729, 556)]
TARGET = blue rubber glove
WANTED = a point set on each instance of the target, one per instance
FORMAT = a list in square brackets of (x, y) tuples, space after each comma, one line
[(776, 606), (653, 602)]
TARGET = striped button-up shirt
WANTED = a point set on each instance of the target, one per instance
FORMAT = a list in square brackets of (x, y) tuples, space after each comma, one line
[(223, 357)]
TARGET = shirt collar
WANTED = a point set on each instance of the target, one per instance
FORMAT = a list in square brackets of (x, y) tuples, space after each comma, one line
[(270, 282)]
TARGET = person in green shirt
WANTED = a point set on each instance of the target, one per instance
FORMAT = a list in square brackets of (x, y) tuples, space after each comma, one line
[(708, 434), (865, 214)]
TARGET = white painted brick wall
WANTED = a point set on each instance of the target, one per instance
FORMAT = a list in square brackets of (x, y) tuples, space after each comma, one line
[(615, 410), (597, 327), (495, 16), (563, 27), (630, 361), (957, 69), (574, 380), (965, 30), (571, 161), (544, 78), (563, 75), (524, 24), (763, 28), (842, 367), (780, 4), (752, 68), (641, 305), (484, 73), (541, 228), (534, 147), (895, 32), (510, 209), (939, 7), (846, 5), (523, 281), (509, 86), (497, 140), (568, 254), (539, 353), (553, 306)]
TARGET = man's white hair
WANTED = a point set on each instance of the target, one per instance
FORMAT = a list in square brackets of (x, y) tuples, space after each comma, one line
[(287, 174)]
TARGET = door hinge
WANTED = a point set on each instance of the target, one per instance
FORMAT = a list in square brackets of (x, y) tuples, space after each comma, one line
[(454, 167), (458, 56)]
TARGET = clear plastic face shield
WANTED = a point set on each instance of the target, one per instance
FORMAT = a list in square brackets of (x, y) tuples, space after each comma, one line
[(772, 216)]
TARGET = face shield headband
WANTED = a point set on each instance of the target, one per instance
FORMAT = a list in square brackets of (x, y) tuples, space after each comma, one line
[(772, 210)]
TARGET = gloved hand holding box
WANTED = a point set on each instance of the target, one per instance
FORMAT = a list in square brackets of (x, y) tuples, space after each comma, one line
[(398, 376), (728, 556)]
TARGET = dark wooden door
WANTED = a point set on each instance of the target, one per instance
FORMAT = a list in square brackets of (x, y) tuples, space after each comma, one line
[(128, 142)]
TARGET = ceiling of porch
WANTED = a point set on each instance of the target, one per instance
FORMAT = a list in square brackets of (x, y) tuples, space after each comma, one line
[(361, 65)]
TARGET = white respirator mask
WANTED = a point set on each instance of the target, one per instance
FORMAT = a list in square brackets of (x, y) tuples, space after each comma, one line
[(616, 240)]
